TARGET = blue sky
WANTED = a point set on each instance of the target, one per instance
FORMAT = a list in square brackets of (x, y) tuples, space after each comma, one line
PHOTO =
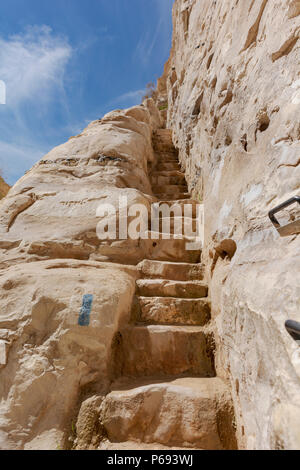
[(68, 62)]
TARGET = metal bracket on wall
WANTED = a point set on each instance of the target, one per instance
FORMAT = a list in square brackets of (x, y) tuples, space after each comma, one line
[(293, 328), (289, 229)]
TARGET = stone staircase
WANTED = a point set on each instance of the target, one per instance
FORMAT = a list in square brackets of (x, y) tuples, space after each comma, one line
[(165, 393)]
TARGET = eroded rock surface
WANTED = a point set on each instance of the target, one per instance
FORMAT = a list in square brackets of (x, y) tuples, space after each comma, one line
[(51, 259), (4, 188), (81, 318), (138, 344), (233, 92)]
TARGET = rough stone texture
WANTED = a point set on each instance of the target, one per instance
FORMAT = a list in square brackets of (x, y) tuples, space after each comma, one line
[(50, 358), (230, 93), (4, 188), (233, 89), (144, 413), (167, 337), (50, 257), (159, 350), (51, 211), (176, 271), (88, 429), (56, 374)]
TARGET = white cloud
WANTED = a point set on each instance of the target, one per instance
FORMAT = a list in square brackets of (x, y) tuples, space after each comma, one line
[(146, 44), (130, 96), (2, 92), (32, 64), (160, 37), (33, 68)]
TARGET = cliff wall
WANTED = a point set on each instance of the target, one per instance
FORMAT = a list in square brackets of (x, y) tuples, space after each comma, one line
[(230, 94), (233, 89)]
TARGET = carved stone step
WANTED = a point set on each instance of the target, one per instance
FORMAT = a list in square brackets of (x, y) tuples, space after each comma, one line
[(172, 249), (182, 203), (167, 166), (163, 146), (173, 178), (168, 196), (162, 350), (165, 270), (171, 311), (170, 189), (136, 445), (168, 173), (168, 154), (175, 225), (169, 158), (185, 412), (168, 288)]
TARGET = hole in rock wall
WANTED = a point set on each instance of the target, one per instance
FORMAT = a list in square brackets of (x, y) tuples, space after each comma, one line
[(225, 249), (262, 124), (197, 107), (244, 142), (228, 140)]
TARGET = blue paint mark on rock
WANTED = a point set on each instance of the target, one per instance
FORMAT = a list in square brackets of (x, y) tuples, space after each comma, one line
[(85, 312)]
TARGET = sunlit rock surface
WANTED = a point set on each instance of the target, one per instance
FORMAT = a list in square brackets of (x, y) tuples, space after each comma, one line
[(233, 90)]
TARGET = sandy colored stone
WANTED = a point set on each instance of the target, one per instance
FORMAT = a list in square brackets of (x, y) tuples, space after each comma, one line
[(168, 288), (50, 358), (232, 87), (51, 211), (157, 413), (169, 310), (151, 269), (51, 257), (88, 429), (4, 188), (163, 350)]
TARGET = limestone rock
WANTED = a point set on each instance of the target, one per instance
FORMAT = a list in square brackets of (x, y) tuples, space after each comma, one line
[(51, 259), (128, 413), (4, 188), (232, 86), (50, 358)]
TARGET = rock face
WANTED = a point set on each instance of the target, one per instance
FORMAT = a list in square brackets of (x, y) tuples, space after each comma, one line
[(106, 341), (233, 92), (140, 343), (164, 392), (4, 188)]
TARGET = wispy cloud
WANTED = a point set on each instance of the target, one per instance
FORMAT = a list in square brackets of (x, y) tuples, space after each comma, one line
[(160, 35), (33, 66), (146, 44), (129, 98)]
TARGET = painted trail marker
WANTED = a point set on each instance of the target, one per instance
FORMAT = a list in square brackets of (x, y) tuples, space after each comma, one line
[(85, 312)]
